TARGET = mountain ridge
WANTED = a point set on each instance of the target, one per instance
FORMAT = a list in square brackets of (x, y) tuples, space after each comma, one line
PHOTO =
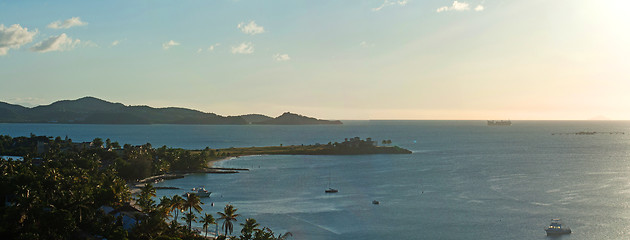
[(91, 110)]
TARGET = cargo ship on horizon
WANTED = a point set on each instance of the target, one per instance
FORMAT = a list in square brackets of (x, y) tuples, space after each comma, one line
[(499, 123)]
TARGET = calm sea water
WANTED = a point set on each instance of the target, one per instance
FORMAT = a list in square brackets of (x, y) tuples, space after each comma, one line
[(464, 180)]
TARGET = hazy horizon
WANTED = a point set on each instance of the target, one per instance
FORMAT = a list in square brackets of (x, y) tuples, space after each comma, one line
[(595, 118), (364, 60)]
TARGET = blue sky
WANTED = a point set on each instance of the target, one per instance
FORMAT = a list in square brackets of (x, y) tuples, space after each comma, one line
[(376, 59)]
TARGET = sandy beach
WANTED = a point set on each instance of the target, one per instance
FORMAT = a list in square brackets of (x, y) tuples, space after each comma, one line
[(212, 162)]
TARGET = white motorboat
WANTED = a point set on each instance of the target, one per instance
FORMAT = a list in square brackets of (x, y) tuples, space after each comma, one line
[(200, 192), (556, 228)]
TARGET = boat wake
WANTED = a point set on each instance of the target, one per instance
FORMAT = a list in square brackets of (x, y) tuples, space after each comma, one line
[(316, 225)]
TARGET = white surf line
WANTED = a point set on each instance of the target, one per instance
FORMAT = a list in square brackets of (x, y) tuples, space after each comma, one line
[(315, 224)]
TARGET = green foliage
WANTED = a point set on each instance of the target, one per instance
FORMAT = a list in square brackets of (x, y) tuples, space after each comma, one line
[(132, 163), (167, 238), (191, 202), (98, 142), (57, 191), (177, 205), (207, 220), (118, 233), (228, 215), (19, 146), (145, 200), (189, 218), (264, 234), (143, 161), (59, 198), (249, 227)]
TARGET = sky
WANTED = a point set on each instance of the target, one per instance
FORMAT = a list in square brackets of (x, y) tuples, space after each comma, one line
[(330, 59)]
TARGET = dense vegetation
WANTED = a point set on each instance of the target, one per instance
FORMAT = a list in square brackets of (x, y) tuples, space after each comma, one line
[(58, 197), (352, 146), (153, 222), (130, 162), (60, 190)]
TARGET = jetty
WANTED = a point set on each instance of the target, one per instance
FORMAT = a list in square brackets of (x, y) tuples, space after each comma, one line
[(214, 170), (162, 177)]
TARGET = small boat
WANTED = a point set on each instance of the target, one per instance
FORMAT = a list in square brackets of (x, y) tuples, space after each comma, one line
[(200, 192), (330, 190), (555, 228), (376, 202)]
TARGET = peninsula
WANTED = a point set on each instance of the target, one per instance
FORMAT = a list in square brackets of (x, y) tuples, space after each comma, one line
[(90, 110), (144, 161), (59, 189), (351, 146)]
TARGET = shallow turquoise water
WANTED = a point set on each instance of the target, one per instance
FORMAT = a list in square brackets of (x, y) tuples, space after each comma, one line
[(464, 180)]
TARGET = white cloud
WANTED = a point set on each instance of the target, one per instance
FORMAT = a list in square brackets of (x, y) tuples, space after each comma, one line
[(169, 44), (243, 48), (68, 23), (365, 44), (479, 8), (388, 3), (250, 28), (115, 43), (213, 46), (88, 43), (27, 101), (56, 43), (457, 6), (281, 57), (210, 48), (14, 37)]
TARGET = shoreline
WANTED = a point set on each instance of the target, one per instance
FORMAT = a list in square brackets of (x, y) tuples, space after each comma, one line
[(211, 163), (134, 186), (353, 147)]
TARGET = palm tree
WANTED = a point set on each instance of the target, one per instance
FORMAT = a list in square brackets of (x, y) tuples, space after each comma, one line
[(191, 202), (249, 227), (266, 233), (165, 205), (177, 205), (228, 215), (189, 217), (207, 220), (144, 199), (165, 201), (284, 236)]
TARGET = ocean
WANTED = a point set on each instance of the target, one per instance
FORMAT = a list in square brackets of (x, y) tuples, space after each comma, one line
[(464, 180)]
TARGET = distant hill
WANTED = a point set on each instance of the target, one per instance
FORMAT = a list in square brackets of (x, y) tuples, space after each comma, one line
[(90, 110), (295, 119), (11, 112), (255, 118)]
